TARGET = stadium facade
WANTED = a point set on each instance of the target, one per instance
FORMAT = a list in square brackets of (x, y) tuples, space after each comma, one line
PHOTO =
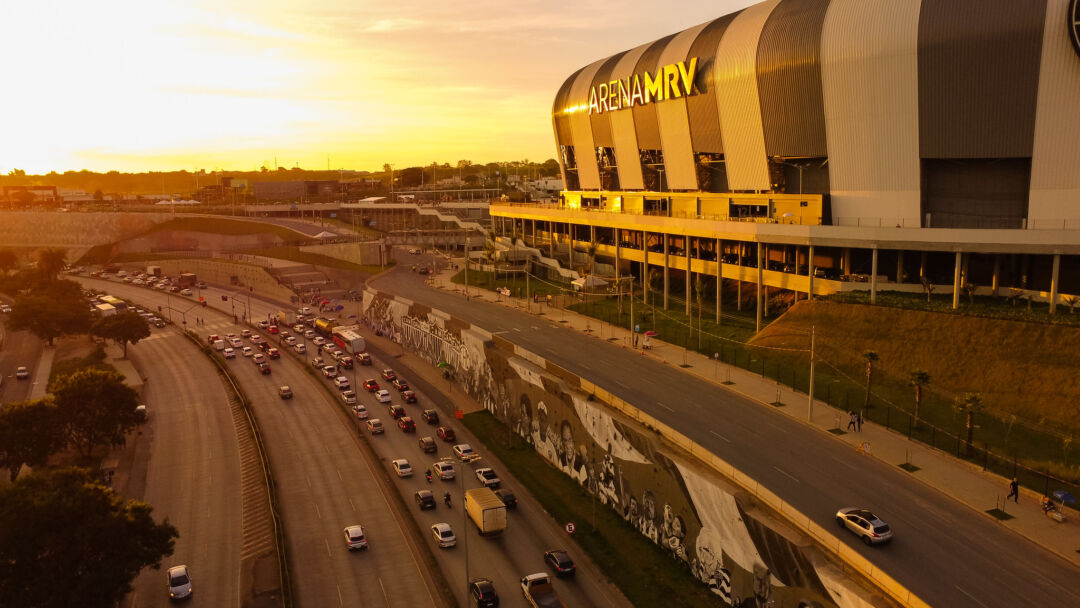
[(818, 146)]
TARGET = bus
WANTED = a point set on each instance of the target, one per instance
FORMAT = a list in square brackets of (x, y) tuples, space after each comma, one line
[(349, 339), (117, 303)]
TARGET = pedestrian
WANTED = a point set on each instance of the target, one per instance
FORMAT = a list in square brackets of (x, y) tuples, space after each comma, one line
[(1014, 491), (851, 421), (858, 422)]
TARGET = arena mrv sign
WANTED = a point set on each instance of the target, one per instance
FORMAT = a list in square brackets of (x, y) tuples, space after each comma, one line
[(670, 82)]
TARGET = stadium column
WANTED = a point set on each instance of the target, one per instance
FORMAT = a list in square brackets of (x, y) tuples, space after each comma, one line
[(764, 287), (686, 243), (667, 274), (997, 274), (956, 281), (757, 291), (551, 239), (618, 256), (645, 268), (1054, 283), (899, 267), (810, 268), (719, 280), (534, 233), (873, 275)]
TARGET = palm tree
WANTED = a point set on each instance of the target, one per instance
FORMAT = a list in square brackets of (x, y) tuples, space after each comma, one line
[(918, 379), (489, 253), (591, 252), (968, 404), (870, 357), (51, 261)]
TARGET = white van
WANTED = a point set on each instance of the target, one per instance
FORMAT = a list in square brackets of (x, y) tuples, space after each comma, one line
[(219, 345)]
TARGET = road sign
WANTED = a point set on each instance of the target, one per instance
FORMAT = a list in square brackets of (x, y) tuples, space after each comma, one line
[(570, 527), (637, 328)]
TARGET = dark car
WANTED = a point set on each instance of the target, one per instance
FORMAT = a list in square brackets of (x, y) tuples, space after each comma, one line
[(424, 499), (285, 392), (408, 396), (406, 424), (428, 445), (561, 562), (273, 353), (426, 270), (263, 346), (396, 411), (507, 497), (264, 369), (482, 590), (400, 384), (446, 434), (388, 374), (371, 385), (346, 362), (430, 416), (364, 358)]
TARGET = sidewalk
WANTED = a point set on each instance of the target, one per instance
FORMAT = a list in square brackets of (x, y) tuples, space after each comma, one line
[(963, 481)]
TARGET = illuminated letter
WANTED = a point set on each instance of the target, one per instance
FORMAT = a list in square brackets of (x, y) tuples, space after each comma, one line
[(602, 96), (613, 95), (635, 97), (654, 88), (593, 107), (671, 82), (624, 93), (687, 75)]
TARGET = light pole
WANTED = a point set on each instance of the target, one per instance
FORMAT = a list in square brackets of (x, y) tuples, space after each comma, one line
[(464, 515)]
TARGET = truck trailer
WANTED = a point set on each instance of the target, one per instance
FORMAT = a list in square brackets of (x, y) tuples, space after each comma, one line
[(349, 339), (486, 510)]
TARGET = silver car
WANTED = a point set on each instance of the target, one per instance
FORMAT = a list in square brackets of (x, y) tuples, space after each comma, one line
[(864, 524), (179, 582)]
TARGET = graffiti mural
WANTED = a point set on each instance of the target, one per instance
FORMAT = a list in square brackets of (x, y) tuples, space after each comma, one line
[(696, 517)]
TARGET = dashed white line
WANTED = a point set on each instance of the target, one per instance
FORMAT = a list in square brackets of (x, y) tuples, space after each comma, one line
[(973, 598), (386, 595), (516, 329), (846, 463), (308, 480), (352, 505), (339, 474), (340, 600), (789, 475), (327, 543), (665, 407), (318, 513), (720, 436)]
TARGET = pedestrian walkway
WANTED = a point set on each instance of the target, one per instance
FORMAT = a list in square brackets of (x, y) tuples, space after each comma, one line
[(40, 377), (961, 480)]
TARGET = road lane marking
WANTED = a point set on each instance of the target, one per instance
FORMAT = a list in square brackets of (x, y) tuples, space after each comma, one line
[(516, 329), (352, 505), (339, 474), (720, 436), (327, 543), (386, 595), (665, 407), (973, 598), (318, 513), (340, 600), (845, 463), (308, 481), (622, 385), (789, 475)]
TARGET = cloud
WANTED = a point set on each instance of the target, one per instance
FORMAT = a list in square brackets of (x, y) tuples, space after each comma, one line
[(393, 24)]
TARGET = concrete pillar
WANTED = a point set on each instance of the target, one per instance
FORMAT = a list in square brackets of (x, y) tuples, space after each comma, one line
[(1054, 283), (645, 268), (922, 265), (873, 276), (900, 267), (956, 281), (810, 268), (846, 261), (551, 240), (719, 281), (534, 233), (995, 281), (757, 293), (618, 256), (689, 275), (965, 278), (664, 236), (592, 235)]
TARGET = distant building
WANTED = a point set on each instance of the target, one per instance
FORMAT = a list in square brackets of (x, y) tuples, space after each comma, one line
[(35, 194), (296, 190)]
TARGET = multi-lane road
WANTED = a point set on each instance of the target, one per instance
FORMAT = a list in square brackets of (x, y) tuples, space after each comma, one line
[(19, 348)]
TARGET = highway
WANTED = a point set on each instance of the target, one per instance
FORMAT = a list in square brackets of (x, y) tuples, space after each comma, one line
[(19, 348), (944, 552)]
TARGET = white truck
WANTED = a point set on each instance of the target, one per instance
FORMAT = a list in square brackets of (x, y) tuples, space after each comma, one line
[(538, 590), (486, 510)]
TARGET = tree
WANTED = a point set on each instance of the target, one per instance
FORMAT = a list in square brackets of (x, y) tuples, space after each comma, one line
[(122, 328), (968, 404), (969, 290), (54, 309), (918, 379), (1070, 301), (30, 432), (99, 195), (870, 357), (928, 288), (50, 262), (62, 526), (8, 261), (97, 408)]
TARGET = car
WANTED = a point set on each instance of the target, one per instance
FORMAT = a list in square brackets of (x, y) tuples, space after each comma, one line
[(330, 371), (507, 497), (246, 333), (424, 499), (402, 467), (258, 358), (355, 538), (561, 562), (400, 384), (247, 351), (445, 433), (300, 348), (141, 413), (318, 341), (487, 476), (375, 426), (364, 358), (229, 353), (284, 391), (345, 361), (235, 342), (290, 340), (4, 308), (443, 470), (388, 374), (179, 581), (430, 416), (342, 383), (158, 323), (423, 270), (865, 525), (185, 292), (408, 396), (263, 346), (273, 329), (299, 328), (264, 369), (201, 285), (310, 334), (349, 397), (443, 535), (273, 353), (209, 340), (406, 424), (360, 411), (256, 339), (465, 452), (371, 385), (482, 592), (396, 411), (383, 395), (427, 444), (264, 324), (328, 348)]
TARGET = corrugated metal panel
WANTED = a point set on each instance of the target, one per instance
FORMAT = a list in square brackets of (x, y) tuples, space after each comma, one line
[(704, 118), (1055, 177), (601, 124), (584, 149), (739, 107), (563, 135), (789, 79), (673, 121), (648, 130), (978, 77), (870, 78), (623, 131)]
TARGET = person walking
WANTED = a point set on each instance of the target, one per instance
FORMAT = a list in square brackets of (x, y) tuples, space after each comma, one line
[(851, 421), (1014, 491)]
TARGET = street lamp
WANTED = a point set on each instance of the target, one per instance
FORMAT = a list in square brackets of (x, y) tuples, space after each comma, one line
[(464, 513)]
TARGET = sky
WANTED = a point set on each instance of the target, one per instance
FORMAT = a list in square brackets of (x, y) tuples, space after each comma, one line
[(237, 84)]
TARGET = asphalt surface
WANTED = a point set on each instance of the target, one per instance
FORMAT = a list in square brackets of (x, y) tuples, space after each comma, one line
[(20, 348), (190, 469), (944, 552)]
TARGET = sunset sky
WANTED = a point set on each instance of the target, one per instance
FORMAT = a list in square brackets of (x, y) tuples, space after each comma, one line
[(185, 84)]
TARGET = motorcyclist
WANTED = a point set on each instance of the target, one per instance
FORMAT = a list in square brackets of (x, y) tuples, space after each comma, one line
[(427, 474), (446, 498)]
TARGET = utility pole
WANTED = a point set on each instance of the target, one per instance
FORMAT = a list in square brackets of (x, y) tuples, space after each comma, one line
[(810, 390)]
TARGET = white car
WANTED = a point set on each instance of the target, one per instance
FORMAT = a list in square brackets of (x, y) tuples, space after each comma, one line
[(402, 467), (865, 525), (290, 340), (185, 292), (465, 452), (382, 395), (21, 373), (246, 333), (258, 358), (309, 334), (443, 535), (4, 308), (318, 341), (246, 351), (443, 470), (235, 342), (355, 538), (342, 383), (487, 476), (229, 353), (179, 581), (349, 397), (300, 348), (360, 410), (219, 345)]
